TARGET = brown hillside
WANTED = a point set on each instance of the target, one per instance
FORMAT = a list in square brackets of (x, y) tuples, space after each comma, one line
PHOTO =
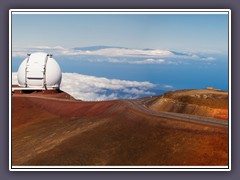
[(60, 131), (204, 102)]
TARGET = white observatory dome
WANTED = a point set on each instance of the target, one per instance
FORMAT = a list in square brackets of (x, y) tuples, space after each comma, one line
[(40, 71)]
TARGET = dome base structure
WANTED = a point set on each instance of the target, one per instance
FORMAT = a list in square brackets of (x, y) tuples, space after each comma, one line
[(39, 71), (23, 90)]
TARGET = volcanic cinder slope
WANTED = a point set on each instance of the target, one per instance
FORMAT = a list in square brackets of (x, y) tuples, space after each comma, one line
[(203, 102), (55, 129)]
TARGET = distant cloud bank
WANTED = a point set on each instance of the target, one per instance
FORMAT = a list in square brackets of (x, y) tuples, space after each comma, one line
[(91, 88), (113, 54)]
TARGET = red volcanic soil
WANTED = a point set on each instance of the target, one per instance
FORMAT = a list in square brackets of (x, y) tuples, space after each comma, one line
[(49, 130), (204, 102)]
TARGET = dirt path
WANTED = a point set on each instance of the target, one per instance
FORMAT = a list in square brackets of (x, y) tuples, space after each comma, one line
[(140, 104)]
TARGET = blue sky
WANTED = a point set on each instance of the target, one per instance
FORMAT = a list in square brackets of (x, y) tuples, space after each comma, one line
[(132, 31), (189, 50)]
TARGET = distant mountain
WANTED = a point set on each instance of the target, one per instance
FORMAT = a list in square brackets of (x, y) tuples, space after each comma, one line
[(148, 49), (95, 48), (179, 53)]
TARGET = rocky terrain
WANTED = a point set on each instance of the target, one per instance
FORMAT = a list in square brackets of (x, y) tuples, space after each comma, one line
[(55, 129), (204, 102)]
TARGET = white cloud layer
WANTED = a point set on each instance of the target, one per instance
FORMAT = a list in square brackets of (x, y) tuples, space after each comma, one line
[(144, 61), (116, 54), (91, 88), (109, 52), (168, 86)]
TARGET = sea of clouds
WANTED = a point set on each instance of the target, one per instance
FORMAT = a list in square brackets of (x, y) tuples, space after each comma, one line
[(91, 88), (119, 54)]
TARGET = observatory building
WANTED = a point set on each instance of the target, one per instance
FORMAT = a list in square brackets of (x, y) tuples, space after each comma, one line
[(39, 71)]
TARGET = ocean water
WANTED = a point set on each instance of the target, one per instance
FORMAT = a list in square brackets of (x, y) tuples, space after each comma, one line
[(174, 73)]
